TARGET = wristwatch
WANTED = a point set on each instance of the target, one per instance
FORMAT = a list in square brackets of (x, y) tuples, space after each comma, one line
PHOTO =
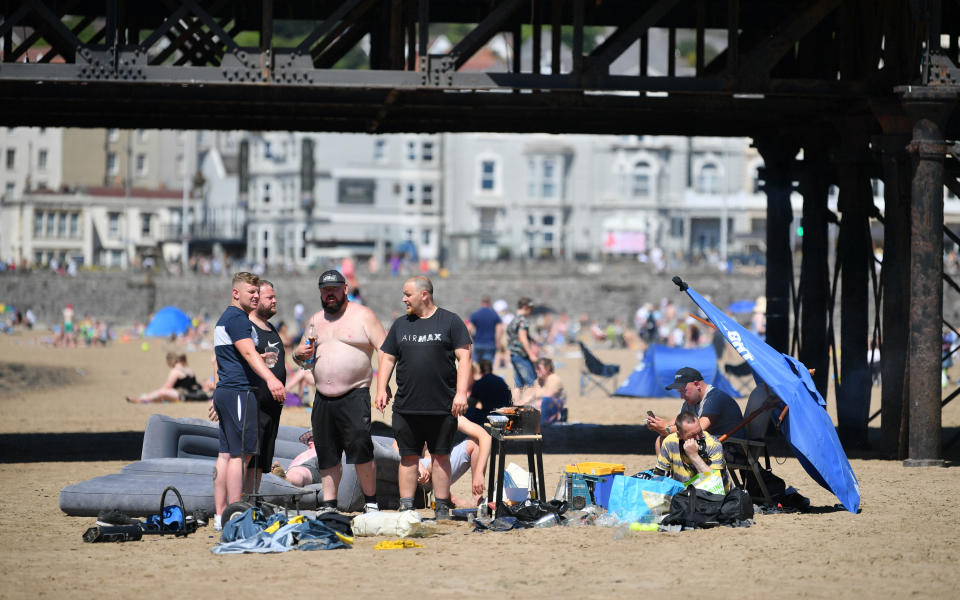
[(668, 430)]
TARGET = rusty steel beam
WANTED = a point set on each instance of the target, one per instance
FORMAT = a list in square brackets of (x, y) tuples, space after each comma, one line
[(929, 107), (814, 288), (778, 152), (855, 254)]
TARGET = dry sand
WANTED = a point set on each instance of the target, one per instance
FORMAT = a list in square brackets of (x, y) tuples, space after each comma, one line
[(63, 427)]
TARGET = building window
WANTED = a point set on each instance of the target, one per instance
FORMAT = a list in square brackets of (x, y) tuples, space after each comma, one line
[(180, 166), (426, 236), (113, 134), (531, 178), (426, 197), (549, 183), (145, 224), (11, 158), (37, 224), (488, 175), (74, 225), (379, 148), (50, 224), (411, 194), (141, 135), (8, 190), (38, 258), (62, 225), (113, 228), (141, 164), (42, 160), (548, 237), (640, 181), (676, 227), (411, 150), (112, 163), (548, 219), (427, 152), (708, 182), (116, 258), (266, 193), (266, 150)]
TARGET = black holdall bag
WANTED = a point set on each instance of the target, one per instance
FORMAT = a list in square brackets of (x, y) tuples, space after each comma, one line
[(694, 508)]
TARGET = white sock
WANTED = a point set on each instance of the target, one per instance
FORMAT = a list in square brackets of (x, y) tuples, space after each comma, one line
[(216, 522)]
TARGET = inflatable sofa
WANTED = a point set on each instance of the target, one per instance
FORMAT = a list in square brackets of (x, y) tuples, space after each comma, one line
[(181, 453)]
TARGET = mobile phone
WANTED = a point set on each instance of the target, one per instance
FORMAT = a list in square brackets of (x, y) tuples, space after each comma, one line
[(651, 415)]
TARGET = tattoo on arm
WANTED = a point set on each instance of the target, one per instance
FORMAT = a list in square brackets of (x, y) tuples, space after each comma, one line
[(214, 473)]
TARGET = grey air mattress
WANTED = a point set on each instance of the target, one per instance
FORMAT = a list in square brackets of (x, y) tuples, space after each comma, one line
[(181, 453)]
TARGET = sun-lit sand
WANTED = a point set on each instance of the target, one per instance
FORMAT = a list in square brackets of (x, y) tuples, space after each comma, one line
[(77, 425)]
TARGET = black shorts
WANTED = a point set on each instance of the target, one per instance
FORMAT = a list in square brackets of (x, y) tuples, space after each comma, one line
[(413, 431), (269, 425), (342, 424), (237, 412)]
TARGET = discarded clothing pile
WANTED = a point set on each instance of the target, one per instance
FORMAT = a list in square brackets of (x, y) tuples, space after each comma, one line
[(252, 532)]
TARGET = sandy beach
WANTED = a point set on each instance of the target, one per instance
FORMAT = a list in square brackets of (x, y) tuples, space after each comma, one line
[(63, 419)]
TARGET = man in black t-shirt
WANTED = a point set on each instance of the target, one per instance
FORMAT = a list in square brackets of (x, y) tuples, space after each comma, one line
[(270, 348), (430, 347)]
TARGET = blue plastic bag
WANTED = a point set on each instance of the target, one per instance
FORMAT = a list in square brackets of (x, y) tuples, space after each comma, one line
[(632, 499)]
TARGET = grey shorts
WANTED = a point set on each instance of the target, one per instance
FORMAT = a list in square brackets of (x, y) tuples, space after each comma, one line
[(312, 465)]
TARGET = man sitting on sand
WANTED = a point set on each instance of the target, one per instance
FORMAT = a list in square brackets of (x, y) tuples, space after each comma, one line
[(304, 468)]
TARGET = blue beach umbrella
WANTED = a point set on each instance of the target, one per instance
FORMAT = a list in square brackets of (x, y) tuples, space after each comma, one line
[(807, 425), (168, 320)]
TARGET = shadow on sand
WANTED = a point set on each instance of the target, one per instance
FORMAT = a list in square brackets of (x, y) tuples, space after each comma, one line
[(70, 447)]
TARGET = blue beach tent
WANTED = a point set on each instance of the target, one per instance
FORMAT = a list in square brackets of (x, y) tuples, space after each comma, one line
[(168, 320), (660, 364)]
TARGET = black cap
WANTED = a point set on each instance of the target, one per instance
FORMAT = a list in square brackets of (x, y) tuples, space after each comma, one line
[(331, 278), (684, 376)]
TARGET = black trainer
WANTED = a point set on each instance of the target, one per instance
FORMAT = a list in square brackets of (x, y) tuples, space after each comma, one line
[(113, 516)]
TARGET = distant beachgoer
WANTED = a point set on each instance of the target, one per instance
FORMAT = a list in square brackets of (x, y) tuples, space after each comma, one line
[(547, 394), (523, 351), (181, 384), (488, 393), (485, 327)]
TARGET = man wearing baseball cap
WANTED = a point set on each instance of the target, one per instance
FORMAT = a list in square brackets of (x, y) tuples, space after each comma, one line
[(717, 412), (347, 333)]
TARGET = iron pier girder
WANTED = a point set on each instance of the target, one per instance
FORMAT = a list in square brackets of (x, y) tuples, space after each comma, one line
[(929, 107)]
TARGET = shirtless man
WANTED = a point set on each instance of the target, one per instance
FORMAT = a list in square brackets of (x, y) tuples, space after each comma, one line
[(347, 334)]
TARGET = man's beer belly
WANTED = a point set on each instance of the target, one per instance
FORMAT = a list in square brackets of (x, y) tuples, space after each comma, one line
[(341, 367)]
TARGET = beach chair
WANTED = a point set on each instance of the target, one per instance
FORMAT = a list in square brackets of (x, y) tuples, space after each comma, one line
[(746, 459), (596, 374), (741, 376), (743, 457)]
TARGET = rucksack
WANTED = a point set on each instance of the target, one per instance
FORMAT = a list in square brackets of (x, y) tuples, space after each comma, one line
[(775, 486), (737, 506)]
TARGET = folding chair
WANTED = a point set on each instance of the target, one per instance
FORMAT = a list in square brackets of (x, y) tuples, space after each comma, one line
[(738, 373), (743, 456), (596, 374), (746, 459)]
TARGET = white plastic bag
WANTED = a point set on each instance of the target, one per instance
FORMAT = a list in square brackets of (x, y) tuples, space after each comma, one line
[(395, 524)]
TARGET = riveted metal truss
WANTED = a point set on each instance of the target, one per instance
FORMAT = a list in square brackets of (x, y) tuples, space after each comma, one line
[(219, 64)]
